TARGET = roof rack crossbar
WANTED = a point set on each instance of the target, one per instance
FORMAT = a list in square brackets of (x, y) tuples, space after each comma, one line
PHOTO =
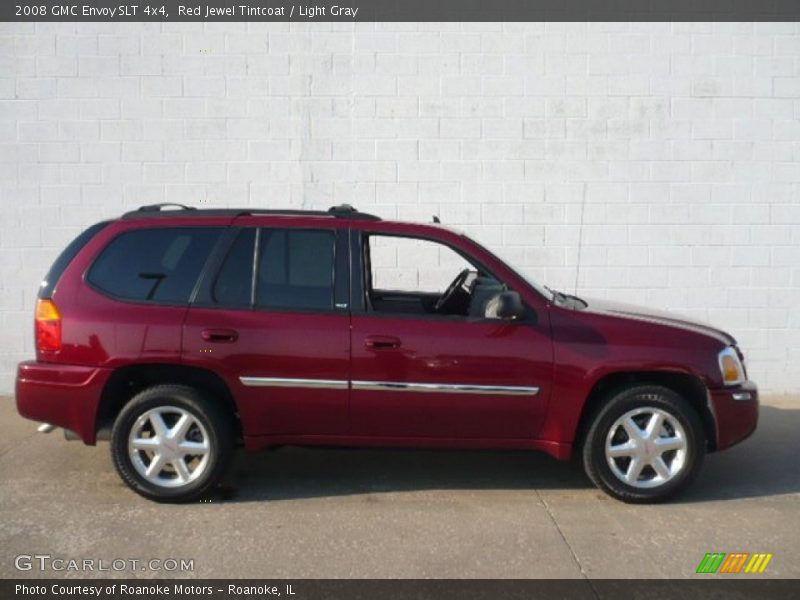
[(161, 205), (348, 211)]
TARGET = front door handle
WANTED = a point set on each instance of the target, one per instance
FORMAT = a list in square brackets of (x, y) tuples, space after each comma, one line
[(220, 335), (382, 342)]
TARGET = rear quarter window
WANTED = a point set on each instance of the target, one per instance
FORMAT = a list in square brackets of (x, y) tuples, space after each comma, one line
[(158, 265), (50, 280)]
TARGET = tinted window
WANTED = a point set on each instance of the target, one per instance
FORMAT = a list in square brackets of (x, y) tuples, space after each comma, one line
[(157, 265), (235, 279), (295, 269), (63, 260)]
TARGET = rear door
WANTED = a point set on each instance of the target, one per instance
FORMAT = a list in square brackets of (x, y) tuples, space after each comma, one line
[(272, 318)]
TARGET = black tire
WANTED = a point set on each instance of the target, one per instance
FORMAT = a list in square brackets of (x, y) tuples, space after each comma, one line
[(642, 397), (219, 430)]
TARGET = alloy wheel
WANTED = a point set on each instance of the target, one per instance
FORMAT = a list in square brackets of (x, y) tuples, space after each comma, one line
[(169, 446), (646, 447)]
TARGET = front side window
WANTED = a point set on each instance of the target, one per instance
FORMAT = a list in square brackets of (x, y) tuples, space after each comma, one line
[(406, 264), (154, 265), (294, 269), (418, 276)]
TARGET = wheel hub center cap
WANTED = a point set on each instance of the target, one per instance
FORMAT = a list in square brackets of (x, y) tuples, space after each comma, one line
[(170, 447)]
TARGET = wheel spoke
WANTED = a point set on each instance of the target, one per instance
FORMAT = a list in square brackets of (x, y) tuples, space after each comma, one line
[(159, 426), (634, 470), (660, 467), (193, 447), (181, 469), (654, 425), (625, 449), (632, 429), (178, 432), (145, 443), (669, 443), (155, 466)]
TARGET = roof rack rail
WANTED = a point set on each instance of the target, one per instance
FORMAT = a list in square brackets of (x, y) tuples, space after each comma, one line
[(342, 211)]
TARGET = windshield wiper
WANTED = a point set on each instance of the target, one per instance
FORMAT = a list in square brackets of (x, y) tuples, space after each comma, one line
[(563, 298), (557, 296)]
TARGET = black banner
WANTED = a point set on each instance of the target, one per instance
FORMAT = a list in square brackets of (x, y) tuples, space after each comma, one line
[(401, 10), (403, 589)]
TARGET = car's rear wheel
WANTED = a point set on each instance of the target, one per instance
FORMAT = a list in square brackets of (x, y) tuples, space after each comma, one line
[(171, 443), (646, 444)]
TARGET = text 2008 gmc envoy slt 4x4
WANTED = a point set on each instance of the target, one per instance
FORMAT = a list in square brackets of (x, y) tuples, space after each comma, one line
[(183, 332)]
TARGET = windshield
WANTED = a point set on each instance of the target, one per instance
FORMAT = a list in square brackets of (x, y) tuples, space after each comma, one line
[(543, 290)]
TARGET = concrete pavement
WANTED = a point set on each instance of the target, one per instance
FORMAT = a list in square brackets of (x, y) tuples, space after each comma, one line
[(324, 513)]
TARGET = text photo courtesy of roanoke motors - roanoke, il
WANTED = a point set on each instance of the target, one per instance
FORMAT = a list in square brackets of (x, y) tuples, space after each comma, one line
[(399, 299)]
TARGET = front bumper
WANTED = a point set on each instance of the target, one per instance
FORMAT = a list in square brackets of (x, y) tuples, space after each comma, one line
[(64, 395), (736, 413)]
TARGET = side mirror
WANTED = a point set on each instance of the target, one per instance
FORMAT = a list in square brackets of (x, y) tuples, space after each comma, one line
[(505, 305)]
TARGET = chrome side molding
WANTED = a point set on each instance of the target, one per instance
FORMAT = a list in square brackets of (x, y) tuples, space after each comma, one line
[(330, 384), (446, 388), (395, 386)]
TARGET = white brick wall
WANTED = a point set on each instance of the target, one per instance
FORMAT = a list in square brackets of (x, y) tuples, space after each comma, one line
[(670, 152)]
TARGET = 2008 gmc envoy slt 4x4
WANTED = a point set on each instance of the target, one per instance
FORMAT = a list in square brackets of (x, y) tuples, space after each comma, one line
[(179, 333)]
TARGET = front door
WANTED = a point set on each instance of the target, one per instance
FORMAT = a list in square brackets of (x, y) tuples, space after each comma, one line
[(268, 322), (422, 371)]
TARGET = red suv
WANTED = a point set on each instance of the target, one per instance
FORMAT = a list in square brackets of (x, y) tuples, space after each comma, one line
[(179, 333)]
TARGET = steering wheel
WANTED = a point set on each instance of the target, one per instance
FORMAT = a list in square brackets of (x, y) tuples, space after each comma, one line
[(451, 290)]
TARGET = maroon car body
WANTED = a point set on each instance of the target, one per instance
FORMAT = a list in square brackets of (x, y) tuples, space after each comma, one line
[(569, 352)]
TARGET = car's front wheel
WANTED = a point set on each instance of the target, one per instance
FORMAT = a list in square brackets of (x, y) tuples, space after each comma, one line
[(645, 445), (170, 443)]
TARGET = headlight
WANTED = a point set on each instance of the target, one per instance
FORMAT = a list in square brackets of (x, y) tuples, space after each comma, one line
[(731, 367)]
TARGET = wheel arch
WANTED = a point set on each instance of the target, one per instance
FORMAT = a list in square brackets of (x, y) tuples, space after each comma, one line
[(686, 385), (125, 382)]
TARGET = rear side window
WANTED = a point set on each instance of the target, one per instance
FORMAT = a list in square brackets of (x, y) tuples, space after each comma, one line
[(295, 269), (59, 266), (154, 265), (234, 284)]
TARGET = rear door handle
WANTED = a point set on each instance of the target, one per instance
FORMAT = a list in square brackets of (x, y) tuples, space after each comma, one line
[(382, 342), (220, 335)]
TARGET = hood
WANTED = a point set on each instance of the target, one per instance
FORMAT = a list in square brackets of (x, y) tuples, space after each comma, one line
[(630, 311)]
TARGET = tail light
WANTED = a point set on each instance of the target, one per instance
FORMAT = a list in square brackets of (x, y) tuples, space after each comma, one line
[(48, 326)]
